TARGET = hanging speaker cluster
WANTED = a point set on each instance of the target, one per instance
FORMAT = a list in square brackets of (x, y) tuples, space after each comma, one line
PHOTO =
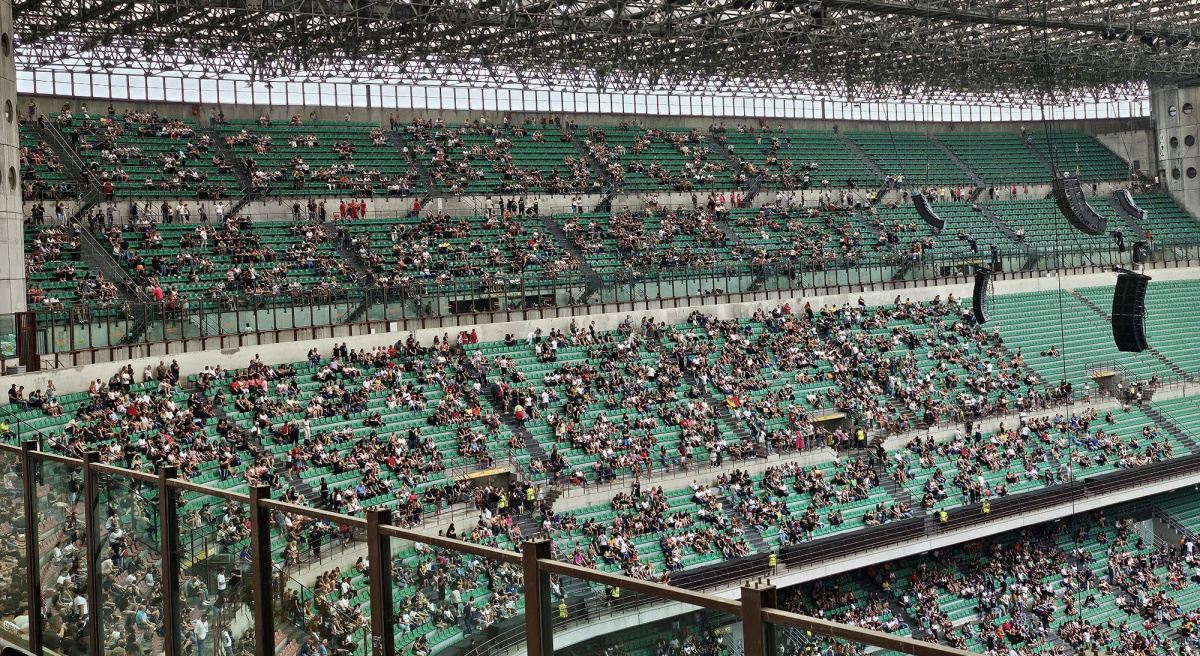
[(1068, 194), (1125, 204), (983, 280), (925, 211), (1129, 311)]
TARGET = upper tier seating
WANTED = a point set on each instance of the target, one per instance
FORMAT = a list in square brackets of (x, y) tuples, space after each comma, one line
[(1079, 154), (1166, 221), (56, 277), (786, 157), (486, 158), (640, 159), (320, 159), (147, 156), (42, 172), (912, 155), (997, 157), (1184, 412), (237, 258), (632, 242), (443, 250), (1044, 227)]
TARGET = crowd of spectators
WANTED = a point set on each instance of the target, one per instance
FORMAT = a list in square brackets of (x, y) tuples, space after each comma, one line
[(55, 250), (454, 161), (249, 263), (433, 250)]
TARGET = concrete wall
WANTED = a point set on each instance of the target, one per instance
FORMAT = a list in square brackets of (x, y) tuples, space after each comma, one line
[(1178, 164), (12, 248)]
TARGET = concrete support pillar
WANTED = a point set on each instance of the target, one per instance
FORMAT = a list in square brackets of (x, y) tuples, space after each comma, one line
[(1176, 113), (12, 248)]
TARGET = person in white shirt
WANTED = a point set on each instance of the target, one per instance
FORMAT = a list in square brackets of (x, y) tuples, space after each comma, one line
[(81, 605), (200, 629)]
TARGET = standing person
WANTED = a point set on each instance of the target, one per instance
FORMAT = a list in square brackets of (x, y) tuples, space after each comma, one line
[(200, 629), (220, 212), (222, 582)]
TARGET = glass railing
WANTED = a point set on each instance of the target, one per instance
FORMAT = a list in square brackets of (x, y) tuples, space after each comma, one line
[(220, 322), (129, 561)]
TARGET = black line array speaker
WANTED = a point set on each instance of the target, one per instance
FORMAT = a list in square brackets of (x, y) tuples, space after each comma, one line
[(983, 280), (1128, 206), (1128, 312), (1068, 194), (925, 210)]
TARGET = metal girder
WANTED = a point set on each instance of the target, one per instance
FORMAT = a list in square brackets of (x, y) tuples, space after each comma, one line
[(863, 49)]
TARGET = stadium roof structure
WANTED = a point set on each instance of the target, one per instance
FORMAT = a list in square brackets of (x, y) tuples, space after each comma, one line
[(857, 49)]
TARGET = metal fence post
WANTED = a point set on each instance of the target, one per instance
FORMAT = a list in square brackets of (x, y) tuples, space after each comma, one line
[(379, 555), (91, 499), (168, 528), (33, 565), (759, 638), (539, 632), (260, 552)]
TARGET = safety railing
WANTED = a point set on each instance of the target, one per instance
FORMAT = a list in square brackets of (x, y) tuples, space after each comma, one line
[(66, 338), (527, 599)]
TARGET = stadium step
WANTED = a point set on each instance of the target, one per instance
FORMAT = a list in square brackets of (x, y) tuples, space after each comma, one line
[(1176, 369), (1038, 154), (979, 183), (1009, 232), (239, 173), (597, 168), (1169, 426), (880, 174), (99, 259)]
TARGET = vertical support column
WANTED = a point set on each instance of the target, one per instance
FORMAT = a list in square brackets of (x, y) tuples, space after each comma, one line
[(33, 564), (539, 633), (91, 499), (260, 556), (12, 235), (759, 638), (379, 555), (168, 534)]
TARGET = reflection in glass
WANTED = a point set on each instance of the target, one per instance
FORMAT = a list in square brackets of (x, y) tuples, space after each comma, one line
[(62, 550), (216, 595), (790, 641), (589, 619), (444, 598), (14, 603), (129, 554)]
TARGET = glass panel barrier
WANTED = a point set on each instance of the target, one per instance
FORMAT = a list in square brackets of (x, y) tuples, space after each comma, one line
[(446, 598), (788, 634), (62, 548), (128, 552), (14, 602), (591, 618), (214, 556), (321, 583)]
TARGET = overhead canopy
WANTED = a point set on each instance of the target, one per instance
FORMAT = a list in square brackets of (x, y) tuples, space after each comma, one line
[(864, 49)]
